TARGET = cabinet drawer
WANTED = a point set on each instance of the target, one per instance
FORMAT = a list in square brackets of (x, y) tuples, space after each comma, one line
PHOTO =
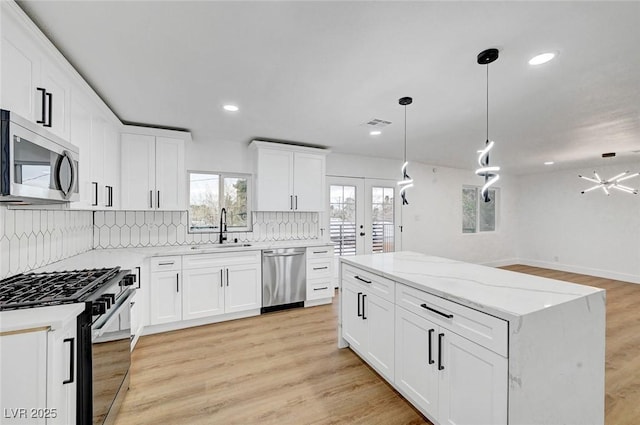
[(319, 289), (378, 285), (319, 252), (320, 268), (198, 261), (160, 264), (488, 331)]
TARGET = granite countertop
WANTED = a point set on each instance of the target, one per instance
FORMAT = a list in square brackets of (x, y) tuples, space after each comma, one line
[(505, 294), (129, 258)]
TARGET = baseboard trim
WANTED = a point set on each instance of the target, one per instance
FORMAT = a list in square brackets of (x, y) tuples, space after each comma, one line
[(501, 263), (174, 326), (607, 274)]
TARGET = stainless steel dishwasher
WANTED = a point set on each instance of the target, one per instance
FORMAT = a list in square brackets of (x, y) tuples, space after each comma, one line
[(284, 278)]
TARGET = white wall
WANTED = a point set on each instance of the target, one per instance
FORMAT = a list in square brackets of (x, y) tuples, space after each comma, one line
[(592, 233), (218, 156), (433, 218)]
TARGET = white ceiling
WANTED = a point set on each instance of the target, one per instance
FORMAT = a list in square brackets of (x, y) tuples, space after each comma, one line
[(314, 72)]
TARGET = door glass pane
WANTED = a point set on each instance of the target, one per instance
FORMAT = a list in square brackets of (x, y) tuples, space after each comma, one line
[(382, 219), (342, 211), (469, 209)]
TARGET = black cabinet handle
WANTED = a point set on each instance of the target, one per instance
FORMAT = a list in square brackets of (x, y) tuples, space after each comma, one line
[(359, 295), (321, 289), (109, 196), (363, 305), (158, 199), (177, 282), (139, 276), (95, 191), (71, 359), (440, 365), (151, 199), (320, 268), (431, 361), (362, 280), (50, 97), (291, 202), (296, 208), (320, 252), (44, 110), (227, 277), (448, 316), (361, 233)]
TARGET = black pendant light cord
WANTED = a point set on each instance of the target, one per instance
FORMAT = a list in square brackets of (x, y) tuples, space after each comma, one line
[(487, 103), (405, 133)]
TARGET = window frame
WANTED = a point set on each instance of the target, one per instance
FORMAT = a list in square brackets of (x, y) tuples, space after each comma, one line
[(496, 191), (222, 175)]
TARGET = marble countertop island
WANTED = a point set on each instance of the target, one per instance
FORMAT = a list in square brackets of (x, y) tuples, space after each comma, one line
[(502, 293)]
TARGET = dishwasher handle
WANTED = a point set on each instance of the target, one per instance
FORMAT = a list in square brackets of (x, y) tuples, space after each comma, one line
[(283, 255)]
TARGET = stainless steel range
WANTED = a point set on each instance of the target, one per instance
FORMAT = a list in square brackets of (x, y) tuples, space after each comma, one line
[(104, 330)]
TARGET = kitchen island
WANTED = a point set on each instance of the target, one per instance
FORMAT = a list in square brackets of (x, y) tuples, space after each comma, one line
[(469, 344)]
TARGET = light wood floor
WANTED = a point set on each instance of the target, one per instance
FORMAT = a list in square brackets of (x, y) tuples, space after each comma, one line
[(285, 368)]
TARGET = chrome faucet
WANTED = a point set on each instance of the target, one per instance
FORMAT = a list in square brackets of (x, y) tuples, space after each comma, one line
[(223, 230)]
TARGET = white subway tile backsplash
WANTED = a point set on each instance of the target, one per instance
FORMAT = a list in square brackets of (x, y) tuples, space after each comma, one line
[(34, 238)]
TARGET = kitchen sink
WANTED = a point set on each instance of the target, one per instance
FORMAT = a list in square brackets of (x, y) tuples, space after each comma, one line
[(218, 246)]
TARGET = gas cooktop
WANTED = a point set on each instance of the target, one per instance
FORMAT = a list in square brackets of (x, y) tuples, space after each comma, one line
[(43, 289)]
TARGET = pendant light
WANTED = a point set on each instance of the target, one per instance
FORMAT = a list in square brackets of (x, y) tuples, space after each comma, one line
[(489, 173), (406, 181)]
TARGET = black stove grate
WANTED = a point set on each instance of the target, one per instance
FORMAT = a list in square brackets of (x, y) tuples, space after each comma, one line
[(42, 289)]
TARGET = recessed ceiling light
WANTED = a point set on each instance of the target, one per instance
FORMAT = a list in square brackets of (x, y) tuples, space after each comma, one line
[(549, 163), (230, 108), (542, 58), (375, 132)]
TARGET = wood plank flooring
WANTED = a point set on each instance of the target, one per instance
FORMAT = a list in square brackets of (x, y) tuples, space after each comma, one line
[(285, 368)]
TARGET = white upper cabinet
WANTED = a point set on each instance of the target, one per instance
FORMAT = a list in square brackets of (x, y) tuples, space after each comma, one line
[(288, 177), (33, 85), (153, 171)]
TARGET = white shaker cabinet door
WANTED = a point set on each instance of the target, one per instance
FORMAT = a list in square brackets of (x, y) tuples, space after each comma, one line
[(379, 315), (138, 172), (243, 287), (23, 361), (308, 178), (170, 174), (275, 180), (354, 327), (473, 388), (203, 293), (166, 297), (416, 371), (57, 98)]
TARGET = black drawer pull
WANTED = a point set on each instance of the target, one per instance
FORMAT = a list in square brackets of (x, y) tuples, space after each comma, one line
[(42, 119), (431, 361), (440, 365), (448, 316), (321, 289), (50, 98), (166, 264), (320, 268), (320, 252), (71, 360), (177, 282), (359, 295), (362, 280)]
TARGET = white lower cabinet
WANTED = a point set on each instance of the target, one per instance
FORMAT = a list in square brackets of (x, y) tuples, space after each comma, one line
[(203, 292), (39, 375), (448, 360), (204, 285), (446, 376), (368, 326)]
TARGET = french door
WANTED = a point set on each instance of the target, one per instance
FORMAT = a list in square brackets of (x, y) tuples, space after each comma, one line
[(362, 215)]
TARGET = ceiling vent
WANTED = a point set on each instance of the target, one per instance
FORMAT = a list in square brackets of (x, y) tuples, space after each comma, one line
[(376, 123)]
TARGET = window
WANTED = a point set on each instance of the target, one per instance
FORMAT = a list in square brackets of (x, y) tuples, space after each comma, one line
[(342, 210), (382, 219), (210, 192), (478, 215)]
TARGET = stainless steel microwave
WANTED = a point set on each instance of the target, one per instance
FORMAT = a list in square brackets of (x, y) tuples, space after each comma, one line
[(36, 166)]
